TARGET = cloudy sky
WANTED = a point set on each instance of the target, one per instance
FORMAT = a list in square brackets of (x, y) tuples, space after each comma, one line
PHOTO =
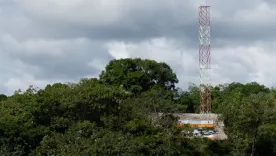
[(47, 41)]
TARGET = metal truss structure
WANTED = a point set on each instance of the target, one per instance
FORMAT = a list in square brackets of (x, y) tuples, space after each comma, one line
[(204, 59)]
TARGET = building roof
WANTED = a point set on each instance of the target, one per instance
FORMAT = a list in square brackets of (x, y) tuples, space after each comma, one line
[(193, 116)]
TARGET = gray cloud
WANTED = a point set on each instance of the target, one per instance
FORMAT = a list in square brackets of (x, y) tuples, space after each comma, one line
[(121, 19), (46, 41), (68, 58)]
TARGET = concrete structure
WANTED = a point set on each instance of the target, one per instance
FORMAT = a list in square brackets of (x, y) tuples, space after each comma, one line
[(204, 125), (196, 123)]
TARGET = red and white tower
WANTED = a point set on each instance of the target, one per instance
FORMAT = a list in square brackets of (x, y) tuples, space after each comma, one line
[(204, 59)]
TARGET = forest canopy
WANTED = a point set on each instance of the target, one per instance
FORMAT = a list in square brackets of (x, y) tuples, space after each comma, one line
[(112, 115)]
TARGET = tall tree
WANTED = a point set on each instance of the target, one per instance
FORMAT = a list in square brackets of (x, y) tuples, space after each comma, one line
[(3, 97), (248, 119), (137, 75)]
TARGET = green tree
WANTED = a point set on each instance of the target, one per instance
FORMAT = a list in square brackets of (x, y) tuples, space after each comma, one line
[(137, 75), (189, 99), (3, 97), (246, 119), (20, 128)]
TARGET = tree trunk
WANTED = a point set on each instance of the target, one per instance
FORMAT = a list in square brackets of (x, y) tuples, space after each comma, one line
[(253, 148), (254, 140)]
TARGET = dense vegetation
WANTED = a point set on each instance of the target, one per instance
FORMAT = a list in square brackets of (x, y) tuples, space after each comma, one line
[(116, 115)]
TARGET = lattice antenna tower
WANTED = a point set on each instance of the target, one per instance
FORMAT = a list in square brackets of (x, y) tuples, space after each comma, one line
[(204, 59)]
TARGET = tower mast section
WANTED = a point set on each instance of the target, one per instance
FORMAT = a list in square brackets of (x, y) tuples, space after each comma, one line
[(204, 59)]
